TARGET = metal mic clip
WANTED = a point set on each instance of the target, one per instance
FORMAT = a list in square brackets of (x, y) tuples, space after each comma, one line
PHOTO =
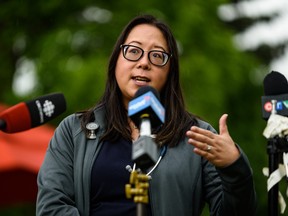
[(91, 127)]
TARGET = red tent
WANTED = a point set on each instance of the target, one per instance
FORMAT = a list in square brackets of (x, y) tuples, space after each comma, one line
[(21, 155)]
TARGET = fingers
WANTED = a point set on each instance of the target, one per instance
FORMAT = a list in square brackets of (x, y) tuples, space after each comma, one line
[(201, 139), (206, 151), (200, 134)]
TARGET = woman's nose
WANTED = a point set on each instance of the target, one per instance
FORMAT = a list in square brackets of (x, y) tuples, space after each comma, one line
[(144, 62)]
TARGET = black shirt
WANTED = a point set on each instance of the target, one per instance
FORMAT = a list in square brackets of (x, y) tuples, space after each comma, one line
[(108, 179)]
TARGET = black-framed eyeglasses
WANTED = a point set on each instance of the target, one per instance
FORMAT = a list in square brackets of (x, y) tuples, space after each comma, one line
[(134, 53)]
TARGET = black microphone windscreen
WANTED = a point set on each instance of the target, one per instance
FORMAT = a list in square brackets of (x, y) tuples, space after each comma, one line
[(45, 108), (275, 83)]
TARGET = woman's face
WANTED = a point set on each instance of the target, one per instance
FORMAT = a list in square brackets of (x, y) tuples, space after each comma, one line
[(131, 75)]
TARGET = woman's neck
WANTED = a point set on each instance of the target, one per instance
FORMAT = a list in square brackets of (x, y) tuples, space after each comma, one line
[(134, 130)]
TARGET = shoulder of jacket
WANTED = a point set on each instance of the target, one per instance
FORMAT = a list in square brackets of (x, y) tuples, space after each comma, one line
[(205, 125), (70, 123)]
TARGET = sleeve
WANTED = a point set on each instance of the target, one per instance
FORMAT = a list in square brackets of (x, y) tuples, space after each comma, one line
[(230, 190), (55, 178)]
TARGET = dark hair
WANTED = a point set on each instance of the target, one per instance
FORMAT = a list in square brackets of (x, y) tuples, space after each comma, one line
[(177, 119)]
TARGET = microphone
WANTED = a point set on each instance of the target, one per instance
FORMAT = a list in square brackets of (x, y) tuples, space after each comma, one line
[(274, 108), (276, 95), (33, 113), (147, 113)]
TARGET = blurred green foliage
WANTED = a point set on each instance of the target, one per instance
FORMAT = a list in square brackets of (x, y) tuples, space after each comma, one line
[(69, 43)]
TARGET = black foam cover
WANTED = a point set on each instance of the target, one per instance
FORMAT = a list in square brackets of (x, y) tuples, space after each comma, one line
[(275, 83), (45, 108)]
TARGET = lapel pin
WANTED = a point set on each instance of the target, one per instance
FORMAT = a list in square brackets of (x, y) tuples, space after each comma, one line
[(91, 127)]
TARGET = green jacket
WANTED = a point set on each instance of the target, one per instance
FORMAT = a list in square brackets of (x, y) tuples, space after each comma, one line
[(180, 185)]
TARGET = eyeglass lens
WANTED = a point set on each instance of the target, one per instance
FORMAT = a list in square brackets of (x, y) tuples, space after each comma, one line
[(134, 53)]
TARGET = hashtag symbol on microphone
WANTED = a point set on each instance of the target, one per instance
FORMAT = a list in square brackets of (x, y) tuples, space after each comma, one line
[(48, 108)]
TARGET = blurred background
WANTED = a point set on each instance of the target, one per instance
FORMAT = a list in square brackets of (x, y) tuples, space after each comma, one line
[(226, 50)]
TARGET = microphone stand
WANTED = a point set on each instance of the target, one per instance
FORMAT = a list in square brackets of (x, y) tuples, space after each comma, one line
[(144, 154), (275, 146), (138, 187), (273, 153)]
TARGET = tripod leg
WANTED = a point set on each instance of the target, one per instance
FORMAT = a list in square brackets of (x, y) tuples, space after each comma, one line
[(273, 192)]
